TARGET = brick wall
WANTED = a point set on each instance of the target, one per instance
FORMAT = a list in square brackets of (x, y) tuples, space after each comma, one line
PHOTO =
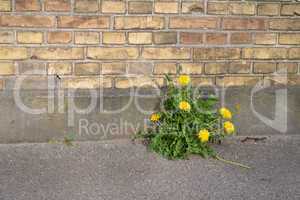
[(93, 43)]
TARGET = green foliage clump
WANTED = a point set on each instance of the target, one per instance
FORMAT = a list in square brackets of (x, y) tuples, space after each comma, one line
[(176, 130)]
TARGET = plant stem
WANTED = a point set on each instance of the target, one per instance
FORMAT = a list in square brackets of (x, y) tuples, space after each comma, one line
[(232, 162)]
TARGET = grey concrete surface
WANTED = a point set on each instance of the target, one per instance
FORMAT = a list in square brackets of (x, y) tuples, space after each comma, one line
[(99, 124), (120, 169)]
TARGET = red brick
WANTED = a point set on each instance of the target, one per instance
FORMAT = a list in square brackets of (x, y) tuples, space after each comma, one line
[(58, 5), (58, 37), (241, 38), (244, 24), (27, 21), (191, 38), (216, 38), (83, 22), (28, 5)]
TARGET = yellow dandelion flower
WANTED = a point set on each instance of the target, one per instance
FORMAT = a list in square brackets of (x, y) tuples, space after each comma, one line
[(225, 113), (155, 117), (184, 80), (203, 135), (184, 105), (229, 127)]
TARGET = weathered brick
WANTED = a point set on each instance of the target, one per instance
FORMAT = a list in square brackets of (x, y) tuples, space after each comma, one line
[(37, 83), (220, 8), (58, 37), (192, 7), (193, 22), (244, 24), (141, 81), (86, 6), (113, 6), (216, 38), (294, 53), (30, 37), (165, 7), (32, 68), (87, 69), (284, 24), (246, 8), (7, 68), (228, 81), (87, 38), (264, 68), (239, 67), (6, 37), (5, 5), (166, 53), (165, 38), (203, 81), (58, 5), (216, 68), (13, 53), (241, 38), (291, 79), (268, 9), (57, 53), (27, 21), (265, 53), (191, 68), (139, 68), (191, 38), (165, 68), (139, 22), (287, 67), (83, 22), (217, 53), (113, 68), (2, 84), (59, 68), (140, 38), (225, 8), (113, 38), (28, 5), (87, 83), (289, 38), (106, 53), (140, 7), (265, 38), (290, 9)]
